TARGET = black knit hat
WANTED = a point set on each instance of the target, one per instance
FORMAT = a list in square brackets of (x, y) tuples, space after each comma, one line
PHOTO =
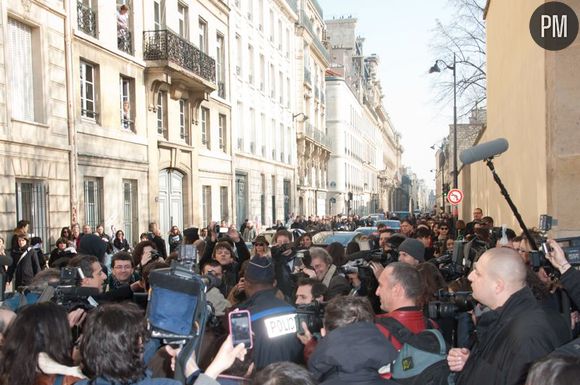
[(414, 248), (91, 244)]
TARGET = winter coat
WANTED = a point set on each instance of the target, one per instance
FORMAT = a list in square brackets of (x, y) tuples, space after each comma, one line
[(571, 282), (510, 339), (352, 354)]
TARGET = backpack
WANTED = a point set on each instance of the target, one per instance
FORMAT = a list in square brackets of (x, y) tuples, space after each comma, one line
[(422, 359)]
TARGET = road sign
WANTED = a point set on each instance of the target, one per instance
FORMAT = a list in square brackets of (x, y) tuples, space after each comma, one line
[(455, 196)]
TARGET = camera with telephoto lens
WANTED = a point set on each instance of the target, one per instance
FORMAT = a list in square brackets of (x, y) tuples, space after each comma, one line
[(70, 294), (450, 264), (451, 303), (312, 314)]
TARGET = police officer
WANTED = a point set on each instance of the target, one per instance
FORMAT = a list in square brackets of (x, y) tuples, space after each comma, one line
[(273, 320)]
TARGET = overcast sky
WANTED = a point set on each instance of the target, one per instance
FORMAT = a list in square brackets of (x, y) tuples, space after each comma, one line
[(400, 32)]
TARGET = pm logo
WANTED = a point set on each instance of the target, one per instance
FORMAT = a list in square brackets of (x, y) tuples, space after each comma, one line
[(554, 26)]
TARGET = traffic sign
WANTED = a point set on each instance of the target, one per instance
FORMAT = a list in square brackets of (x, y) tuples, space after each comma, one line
[(455, 196)]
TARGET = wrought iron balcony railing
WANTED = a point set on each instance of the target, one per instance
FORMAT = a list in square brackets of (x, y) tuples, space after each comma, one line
[(167, 45), (87, 19)]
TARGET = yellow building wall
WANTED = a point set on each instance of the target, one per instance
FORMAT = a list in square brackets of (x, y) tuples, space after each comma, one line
[(516, 111)]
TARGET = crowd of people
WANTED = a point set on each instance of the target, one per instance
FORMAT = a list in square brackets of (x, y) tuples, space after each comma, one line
[(320, 314)]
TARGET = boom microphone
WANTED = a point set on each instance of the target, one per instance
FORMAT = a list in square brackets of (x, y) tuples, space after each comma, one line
[(484, 151)]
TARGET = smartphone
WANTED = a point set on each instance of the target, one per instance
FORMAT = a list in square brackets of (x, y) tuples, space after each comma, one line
[(241, 328)]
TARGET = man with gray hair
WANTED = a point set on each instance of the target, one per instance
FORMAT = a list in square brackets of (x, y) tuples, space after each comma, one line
[(327, 273), (513, 334)]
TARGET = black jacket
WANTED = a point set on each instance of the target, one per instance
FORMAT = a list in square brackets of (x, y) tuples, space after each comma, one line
[(264, 307), (352, 354), (571, 282), (509, 340)]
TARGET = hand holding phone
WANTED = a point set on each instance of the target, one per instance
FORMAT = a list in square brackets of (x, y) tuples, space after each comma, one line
[(240, 324)]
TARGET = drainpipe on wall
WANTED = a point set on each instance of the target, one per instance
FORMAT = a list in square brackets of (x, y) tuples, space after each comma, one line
[(73, 156)]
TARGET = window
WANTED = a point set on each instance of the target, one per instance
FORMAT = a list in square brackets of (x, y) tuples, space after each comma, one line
[(159, 14), (287, 42), (250, 64), (130, 210), (240, 133), (183, 17), (162, 113), (223, 133), (272, 26), (261, 14), (206, 203), (253, 129), (250, 9), (87, 17), (23, 78), (126, 90), (281, 86), (238, 55), (280, 36), (288, 92), (220, 65), (205, 132), (272, 82), (184, 120), (263, 199), (225, 212), (262, 72), (88, 105), (31, 205), (202, 35), (93, 202)]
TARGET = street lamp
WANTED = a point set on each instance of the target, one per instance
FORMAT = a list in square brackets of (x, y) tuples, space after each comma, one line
[(436, 68)]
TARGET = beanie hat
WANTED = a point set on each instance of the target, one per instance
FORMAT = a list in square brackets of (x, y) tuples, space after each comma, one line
[(260, 270), (414, 248), (91, 244)]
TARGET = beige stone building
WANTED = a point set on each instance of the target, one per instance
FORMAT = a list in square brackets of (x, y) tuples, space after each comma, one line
[(114, 118), (35, 146), (313, 146), (533, 103)]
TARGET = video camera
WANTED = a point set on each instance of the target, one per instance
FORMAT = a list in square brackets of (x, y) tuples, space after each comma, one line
[(312, 314), (451, 263), (69, 294), (449, 304), (363, 259), (571, 247)]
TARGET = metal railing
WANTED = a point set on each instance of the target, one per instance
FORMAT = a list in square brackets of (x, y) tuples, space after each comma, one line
[(305, 21), (317, 135), (167, 45), (125, 41), (87, 19)]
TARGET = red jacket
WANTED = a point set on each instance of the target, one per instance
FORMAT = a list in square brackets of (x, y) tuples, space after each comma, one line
[(411, 317)]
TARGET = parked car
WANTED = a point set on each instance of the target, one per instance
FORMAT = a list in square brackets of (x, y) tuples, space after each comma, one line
[(367, 230), (325, 238), (269, 234), (390, 223)]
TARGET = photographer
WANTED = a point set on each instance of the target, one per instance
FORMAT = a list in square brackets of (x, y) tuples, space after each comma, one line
[(352, 349), (570, 277), (284, 257)]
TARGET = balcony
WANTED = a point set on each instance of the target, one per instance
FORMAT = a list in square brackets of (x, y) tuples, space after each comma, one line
[(87, 19), (305, 22), (168, 53), (316, 135), (125, 41)]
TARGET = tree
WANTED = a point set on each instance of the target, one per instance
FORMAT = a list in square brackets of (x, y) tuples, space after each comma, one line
[(465, 37)]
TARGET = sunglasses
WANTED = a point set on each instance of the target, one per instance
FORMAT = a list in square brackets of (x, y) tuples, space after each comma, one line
[(259, 244), (443, 228)]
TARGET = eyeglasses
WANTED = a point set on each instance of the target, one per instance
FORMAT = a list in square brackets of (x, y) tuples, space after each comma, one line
[(259, 244), (443, 228)]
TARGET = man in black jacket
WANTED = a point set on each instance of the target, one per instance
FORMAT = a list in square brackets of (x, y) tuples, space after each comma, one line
[(513, 334)]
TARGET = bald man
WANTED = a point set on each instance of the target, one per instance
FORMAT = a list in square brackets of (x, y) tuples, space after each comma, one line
[(514, 334)]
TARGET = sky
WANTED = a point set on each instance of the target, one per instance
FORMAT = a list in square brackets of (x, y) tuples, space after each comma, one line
[(400, 33)]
